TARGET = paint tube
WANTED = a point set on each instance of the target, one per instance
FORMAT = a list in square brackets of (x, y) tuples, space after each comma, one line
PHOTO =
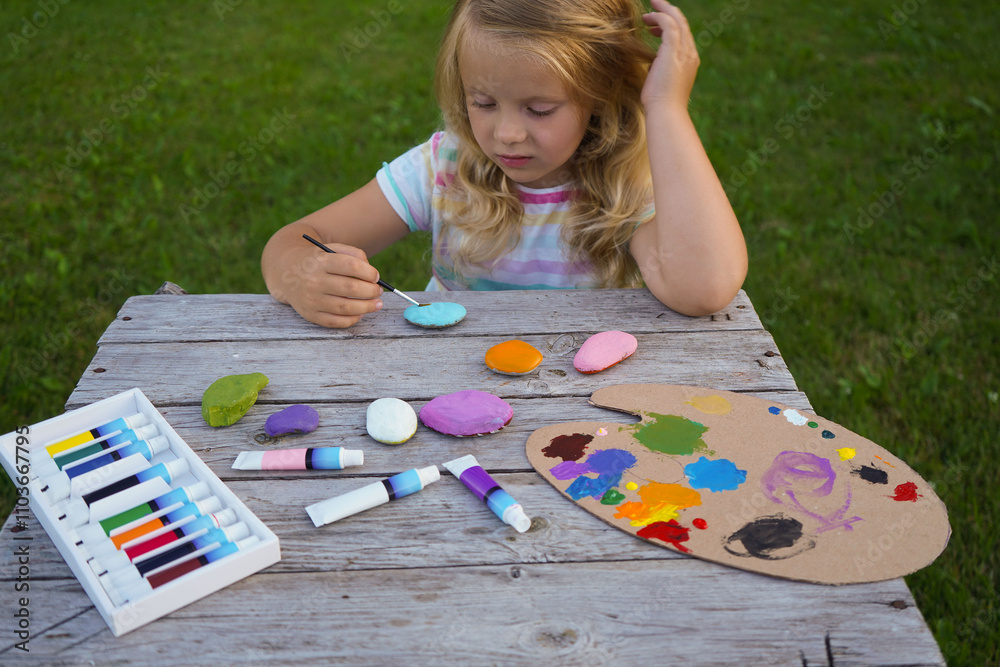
[(477, 480), (311, 458), (373, 495)]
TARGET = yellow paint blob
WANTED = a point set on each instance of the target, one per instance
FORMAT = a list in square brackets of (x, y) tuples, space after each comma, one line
[(514, 357), (846, 453), (710, 405), (660, 502), (631, 486)]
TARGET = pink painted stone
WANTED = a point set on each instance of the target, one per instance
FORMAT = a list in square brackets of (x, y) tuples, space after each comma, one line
[(465, 413), (603, 350)]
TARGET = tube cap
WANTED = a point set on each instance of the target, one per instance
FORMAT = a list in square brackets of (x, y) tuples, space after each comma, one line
[(158, 444), (146, 432), (353, 457), (515, 516), (428, 474)]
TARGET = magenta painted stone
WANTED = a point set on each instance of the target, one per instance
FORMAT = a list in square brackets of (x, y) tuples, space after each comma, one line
[(604, 350), (468, 412), (293, 419)]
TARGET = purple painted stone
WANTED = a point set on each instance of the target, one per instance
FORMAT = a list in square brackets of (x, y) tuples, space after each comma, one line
[(603, 350), (468, 412), (293, 419)]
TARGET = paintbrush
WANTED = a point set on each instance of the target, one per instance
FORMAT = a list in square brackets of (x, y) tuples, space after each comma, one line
[(381, 282)]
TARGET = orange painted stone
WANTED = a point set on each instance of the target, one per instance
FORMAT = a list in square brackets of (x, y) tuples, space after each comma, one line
[(513, 357)]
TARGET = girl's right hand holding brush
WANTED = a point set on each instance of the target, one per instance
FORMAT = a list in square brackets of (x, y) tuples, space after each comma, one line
[(332, 290)]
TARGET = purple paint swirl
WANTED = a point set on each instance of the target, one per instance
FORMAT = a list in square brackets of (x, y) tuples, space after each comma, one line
[(800, 474)]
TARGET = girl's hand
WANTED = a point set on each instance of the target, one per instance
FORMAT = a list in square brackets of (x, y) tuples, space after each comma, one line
[(332, 290), (671, 76)]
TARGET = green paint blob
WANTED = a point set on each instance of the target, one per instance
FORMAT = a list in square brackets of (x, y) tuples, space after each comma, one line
[(612, 497), (672, 434), (813, 425)]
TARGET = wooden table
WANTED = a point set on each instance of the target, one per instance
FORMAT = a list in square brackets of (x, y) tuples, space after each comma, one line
[(435, 578)]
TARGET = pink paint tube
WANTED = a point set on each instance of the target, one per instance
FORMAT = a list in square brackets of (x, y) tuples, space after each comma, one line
[(311, 458)]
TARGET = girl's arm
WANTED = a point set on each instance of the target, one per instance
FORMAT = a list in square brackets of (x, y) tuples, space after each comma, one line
[(333, 290), (692, 254)]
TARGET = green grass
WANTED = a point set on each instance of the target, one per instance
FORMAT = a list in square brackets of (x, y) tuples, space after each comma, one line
[(887, 324)]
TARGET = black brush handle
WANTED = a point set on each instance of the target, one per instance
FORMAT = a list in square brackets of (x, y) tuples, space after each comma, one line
[(381, 282)]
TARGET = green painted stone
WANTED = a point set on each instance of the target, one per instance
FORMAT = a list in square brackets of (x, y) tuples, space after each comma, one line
[(228, 398)]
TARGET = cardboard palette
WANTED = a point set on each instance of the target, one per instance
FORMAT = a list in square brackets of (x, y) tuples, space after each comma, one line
[(746, 482)]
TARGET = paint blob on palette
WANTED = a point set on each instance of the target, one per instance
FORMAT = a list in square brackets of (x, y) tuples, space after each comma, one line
[(435, 315), (746, 482)]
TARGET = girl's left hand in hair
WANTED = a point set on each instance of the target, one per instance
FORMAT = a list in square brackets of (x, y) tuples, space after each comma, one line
[(671, 76)]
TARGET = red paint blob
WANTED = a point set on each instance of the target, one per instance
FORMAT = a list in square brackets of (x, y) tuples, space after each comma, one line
[(568, 447), (670, 532), (906, 491), (700, 524)]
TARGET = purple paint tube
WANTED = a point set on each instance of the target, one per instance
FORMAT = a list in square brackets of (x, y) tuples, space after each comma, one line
[(477, 480)]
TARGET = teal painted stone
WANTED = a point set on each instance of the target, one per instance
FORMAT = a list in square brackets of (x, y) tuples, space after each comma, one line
[(227, 399), (435, 315)]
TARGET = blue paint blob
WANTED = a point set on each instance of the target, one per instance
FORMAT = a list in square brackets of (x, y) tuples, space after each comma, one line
[(435, 315), (595, 487), (774, 411), (720, 475), (611, 461), (828, 435), (609, 464)]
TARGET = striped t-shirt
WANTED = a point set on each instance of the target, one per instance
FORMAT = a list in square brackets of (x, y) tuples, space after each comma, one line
[(414, 184)]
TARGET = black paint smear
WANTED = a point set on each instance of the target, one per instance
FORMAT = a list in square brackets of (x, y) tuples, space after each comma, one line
[(872, 475), (769, 538)]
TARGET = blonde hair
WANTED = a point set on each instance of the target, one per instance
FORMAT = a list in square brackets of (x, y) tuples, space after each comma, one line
[(595, 47)]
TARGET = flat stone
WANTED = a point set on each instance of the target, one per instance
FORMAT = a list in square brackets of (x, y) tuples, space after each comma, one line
[(227, 399), (513, 357), (466, 413), (435, 315), (391, 421), (603, 350), (293, 419)]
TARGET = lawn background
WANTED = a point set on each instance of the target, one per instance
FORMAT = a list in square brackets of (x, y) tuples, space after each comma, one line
[(858, 142)]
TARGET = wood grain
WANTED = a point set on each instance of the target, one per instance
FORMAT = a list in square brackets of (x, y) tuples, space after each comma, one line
[(228, 317)]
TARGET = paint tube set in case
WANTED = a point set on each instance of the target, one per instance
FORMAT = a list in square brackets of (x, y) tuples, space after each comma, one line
[(143, 523)]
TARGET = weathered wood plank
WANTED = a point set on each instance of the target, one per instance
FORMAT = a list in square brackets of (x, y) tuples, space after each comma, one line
[(311, 371), (599, 613), (226, 317), (343, 425)]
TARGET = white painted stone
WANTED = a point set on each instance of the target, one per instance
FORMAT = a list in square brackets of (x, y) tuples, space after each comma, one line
[(391, 421)]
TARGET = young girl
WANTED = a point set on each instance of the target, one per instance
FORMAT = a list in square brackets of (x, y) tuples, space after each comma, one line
[(567, 160)]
